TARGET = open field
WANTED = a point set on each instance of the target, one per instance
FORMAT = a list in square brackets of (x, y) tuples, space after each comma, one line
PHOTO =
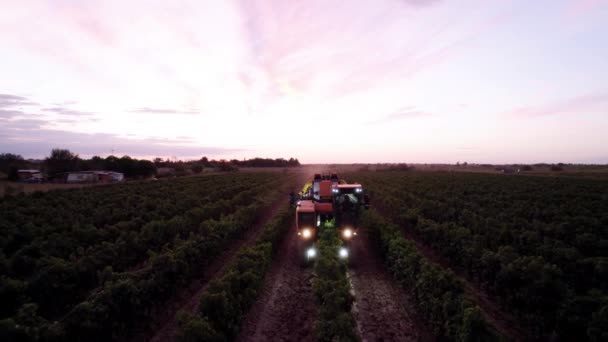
[(441, 255)]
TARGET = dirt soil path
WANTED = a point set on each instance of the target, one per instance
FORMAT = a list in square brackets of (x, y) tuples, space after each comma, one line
[(382, 308), (166, 326), (286, 310)]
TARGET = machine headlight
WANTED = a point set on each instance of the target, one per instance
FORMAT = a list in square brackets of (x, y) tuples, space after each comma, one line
[(343, 253), (306, 233), (335, 191), (347, 233), (358, 189), (311, 253)]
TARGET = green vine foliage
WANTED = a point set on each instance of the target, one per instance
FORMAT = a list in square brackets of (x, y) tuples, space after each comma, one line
[(437, 295), (96, 263), (538, 244), (224, 304), (332, 291)]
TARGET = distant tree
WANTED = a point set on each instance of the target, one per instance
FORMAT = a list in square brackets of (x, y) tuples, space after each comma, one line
[(158, 162), (293, 162), (10, 163), (266, 162), (205, 162), (111, 163), (61, 160), (180, 169), (13, 172), (527, 168), (95, 163), (8, 159), (128, 166), (197, 168), (556, 168), (225, 166), (145, 168)]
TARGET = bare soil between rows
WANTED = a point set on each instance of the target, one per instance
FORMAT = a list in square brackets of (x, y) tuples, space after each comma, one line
[(286, 309)]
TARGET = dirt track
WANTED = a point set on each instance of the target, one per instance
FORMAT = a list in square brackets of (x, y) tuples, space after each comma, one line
[(382, 308), (286, 309)]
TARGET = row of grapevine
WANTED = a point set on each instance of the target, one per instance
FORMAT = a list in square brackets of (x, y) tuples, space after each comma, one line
[(538, 244), (436, 293), (87, 216), (332, 291), (227, 300)]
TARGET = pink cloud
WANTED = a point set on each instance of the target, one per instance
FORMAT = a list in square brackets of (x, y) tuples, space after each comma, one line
[(404, 113), (573, 105), (421, 3), (578, 8), (421, 56), (163, 111), (86, 20)]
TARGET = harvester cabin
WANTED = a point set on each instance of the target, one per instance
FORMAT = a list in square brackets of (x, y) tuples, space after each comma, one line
[(321, 187)]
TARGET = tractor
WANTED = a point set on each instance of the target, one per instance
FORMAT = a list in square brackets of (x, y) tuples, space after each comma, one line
[(328, 198)]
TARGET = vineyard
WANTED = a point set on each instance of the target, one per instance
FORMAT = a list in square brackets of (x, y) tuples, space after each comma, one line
[(440, 256), (537, 245), (96, 264)]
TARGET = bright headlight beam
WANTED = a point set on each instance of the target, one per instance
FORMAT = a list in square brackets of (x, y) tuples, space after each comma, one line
[(347, 233), (343, 253), (306, 233), (311, 252)]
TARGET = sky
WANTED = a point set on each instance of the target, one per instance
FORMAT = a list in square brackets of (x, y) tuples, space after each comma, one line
[(415, 81)]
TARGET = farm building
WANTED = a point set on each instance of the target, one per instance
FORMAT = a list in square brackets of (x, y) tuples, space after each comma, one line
[(30, 175), (93, 177), (81, 177)]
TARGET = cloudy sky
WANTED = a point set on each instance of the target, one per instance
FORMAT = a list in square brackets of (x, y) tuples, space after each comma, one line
[(325, 81)]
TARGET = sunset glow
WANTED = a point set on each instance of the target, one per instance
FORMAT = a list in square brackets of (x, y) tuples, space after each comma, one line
[(323, 81)]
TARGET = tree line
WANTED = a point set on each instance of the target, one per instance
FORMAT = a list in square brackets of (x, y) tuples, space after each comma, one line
[(197, 166), (63, 160)]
